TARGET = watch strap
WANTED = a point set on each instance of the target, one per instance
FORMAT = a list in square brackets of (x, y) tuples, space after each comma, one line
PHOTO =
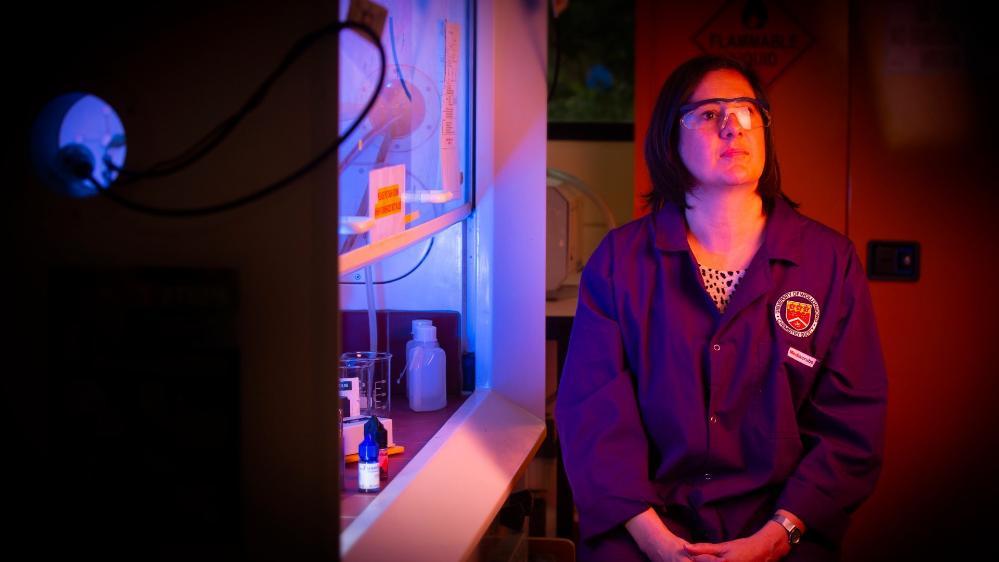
[(793, 532)]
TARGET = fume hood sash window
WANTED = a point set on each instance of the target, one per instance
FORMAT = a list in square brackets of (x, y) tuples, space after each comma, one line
[(405, 171)]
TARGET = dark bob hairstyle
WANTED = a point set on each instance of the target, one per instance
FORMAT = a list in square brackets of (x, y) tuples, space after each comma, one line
[(671, 181)]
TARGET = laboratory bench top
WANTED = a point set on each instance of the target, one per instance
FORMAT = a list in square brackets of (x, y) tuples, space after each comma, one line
[(410, 429), (561, 303), (478, 446)]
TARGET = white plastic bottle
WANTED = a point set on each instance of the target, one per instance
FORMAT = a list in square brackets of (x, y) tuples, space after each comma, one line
[(425, 360), (411, 344)]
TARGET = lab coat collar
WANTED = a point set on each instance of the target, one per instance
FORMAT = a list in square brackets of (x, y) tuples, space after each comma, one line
[(779, 235)]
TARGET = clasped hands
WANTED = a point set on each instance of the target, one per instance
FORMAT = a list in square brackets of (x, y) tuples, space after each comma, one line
[(661, 545)]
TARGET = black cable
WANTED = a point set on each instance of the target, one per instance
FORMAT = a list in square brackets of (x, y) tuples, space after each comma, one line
[(254, 101), (226, 127), (381, 76), (558, 55), (404, 275)]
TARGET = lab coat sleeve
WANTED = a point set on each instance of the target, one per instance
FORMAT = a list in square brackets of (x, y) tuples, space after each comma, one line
[(604, 444), (842, 422)]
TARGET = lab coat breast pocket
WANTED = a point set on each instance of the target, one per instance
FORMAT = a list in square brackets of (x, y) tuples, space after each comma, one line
[(790, 368)]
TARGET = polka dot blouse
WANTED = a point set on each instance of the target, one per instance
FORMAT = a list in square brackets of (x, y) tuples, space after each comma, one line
[(721, 284)]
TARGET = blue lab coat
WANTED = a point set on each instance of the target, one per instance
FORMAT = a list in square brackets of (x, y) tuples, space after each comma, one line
[(718, 419)]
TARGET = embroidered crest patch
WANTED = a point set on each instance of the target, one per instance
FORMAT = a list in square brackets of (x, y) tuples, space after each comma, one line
[(797, 313)]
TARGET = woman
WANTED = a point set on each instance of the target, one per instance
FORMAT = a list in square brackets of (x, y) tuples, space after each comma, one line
[(723, 395)]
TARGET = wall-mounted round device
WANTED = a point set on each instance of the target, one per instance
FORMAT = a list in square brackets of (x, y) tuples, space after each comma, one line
[(72, 138)]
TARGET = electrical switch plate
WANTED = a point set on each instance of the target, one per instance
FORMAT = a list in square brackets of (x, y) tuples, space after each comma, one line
[(893, 260)]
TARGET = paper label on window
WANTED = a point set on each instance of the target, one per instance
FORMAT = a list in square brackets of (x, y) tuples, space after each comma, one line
[(385, 188), (449, 104), (801, 357)]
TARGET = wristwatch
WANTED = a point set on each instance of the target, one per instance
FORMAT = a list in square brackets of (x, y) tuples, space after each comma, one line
[(793, 532)]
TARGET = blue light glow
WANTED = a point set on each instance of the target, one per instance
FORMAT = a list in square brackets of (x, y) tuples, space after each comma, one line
[(71, 138)]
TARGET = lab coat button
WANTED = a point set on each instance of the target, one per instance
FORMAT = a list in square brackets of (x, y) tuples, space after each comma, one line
[(716, 347), (713, 419)]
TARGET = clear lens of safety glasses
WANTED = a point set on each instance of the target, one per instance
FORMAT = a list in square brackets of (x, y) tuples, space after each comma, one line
[(750, 113)]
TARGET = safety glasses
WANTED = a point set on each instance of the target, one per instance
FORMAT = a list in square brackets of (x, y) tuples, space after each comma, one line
[(750, 113)]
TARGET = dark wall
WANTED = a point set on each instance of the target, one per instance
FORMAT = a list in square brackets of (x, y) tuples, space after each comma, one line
[(924, 170), (120, 375)]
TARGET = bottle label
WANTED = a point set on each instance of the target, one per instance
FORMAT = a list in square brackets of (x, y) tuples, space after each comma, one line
[(367, 476)]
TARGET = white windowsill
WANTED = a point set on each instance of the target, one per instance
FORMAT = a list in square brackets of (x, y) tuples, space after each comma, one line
[(441, 504)]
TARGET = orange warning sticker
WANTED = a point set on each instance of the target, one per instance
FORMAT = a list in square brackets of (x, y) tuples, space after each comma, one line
[(386, 186), (388, 202)]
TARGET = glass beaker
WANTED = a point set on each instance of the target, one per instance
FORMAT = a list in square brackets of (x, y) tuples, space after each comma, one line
[(376, 388)]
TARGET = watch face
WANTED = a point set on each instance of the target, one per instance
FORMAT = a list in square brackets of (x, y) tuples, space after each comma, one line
[(795, 535)]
